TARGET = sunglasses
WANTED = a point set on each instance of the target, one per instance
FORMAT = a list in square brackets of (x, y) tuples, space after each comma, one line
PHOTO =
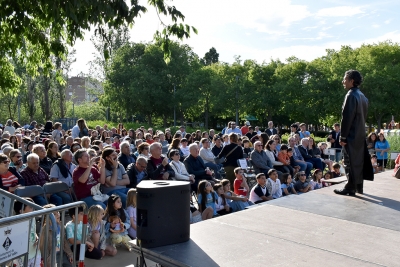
[(302, 174)]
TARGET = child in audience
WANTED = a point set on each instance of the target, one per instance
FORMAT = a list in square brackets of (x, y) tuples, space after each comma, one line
[(131, 209), (374, 161), (221, 206), (246, 146), (240, 186), (118, 225), (316, 182), (293, 163), (327, 176), (274, 184), (97, 233), (285, 159), (336, 170), (206, 196), (68, 255), (287, 186), (91, 251), (236, 202), (34, 257), (259, 193), (301, 185)]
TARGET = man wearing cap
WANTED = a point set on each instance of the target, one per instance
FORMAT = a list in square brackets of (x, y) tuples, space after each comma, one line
[(245, 128)]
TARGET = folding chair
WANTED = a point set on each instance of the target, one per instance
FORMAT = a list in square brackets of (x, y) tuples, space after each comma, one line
[(72, 191), (29, 191), (56, 187), (248, 172)]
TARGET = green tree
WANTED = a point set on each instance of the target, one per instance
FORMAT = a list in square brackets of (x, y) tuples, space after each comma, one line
[(210, 57), (33, 31)]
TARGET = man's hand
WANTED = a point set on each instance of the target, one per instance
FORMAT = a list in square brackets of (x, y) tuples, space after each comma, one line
[(93, 161), (165, 161), (165, 175), (342, 143), (191, 178), (114, 162)]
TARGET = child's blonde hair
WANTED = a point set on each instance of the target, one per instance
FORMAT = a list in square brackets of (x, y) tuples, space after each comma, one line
[(131, 198), (93, 215)]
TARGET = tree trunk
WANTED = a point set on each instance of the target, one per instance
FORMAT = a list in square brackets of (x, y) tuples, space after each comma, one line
[(46, 101), (31, 98), (61, 90), (379, 121), (149, 118), (206, 113)]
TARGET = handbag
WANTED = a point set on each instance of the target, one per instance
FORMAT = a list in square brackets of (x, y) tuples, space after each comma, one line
[(223, 159)]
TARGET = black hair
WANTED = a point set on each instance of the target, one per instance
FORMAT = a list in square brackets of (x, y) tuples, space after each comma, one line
[(202, 191), (284, 147), (356, 76), (216, 187), (71, 211), (110, 210), (18, 205)]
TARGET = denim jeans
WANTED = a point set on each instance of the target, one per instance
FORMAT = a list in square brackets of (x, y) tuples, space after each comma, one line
[(90, 202), (60, 198), (305, 166)]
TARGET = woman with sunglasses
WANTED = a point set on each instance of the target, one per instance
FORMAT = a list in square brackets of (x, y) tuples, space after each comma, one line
[(143, 150), (16, 160), (10, 179), (181, 174)]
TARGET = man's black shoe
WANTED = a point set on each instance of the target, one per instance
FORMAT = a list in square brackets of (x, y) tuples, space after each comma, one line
[(345, 192)]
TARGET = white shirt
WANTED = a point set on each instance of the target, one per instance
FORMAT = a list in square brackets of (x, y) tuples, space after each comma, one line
[(207, 155)]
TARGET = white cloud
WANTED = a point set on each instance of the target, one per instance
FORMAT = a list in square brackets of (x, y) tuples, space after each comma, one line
[(375, 26), (340, 11), (339, 22), (387, 21)]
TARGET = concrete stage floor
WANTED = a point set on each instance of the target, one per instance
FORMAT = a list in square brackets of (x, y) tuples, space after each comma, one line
[(318, 228)]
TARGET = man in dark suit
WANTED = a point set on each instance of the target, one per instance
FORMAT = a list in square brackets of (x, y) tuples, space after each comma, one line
[(195, 165), (357, 162), (271, 130), (316, 162)]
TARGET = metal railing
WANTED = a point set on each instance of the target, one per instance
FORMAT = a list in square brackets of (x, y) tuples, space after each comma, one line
[(46, 215)]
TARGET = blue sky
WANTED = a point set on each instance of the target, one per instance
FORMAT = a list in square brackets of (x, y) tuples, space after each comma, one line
[(263, 29)]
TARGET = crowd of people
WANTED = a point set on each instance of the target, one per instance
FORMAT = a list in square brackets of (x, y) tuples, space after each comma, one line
[(115, 160)]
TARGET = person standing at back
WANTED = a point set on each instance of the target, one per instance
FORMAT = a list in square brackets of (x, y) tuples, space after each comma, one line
[(357, 161)]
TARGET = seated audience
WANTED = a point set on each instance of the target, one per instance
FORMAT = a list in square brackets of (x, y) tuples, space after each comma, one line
[(274, 184), (45, 163), (181, 174), (209, 158), (313, 159), (35, 175), (125, 157), (240, 185), (137, 172), (16, 160), (259, 159), (287, 185), (116, 177), (184, 147), (10, 179), (52, 151), (236, 202), (157, 165), (175, 144), (259, 193), (217, 148), (301, 185), (85, 176), (298, 158), (195, 165), (336, 171), (284, 158), (206, 197)]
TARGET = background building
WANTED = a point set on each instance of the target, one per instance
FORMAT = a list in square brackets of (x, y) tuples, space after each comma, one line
[(81, 89)]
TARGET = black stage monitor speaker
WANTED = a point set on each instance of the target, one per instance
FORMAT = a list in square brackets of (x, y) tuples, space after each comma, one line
[(163, 213)]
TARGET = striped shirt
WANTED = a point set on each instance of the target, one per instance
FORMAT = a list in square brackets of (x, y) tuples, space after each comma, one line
[(9, 179)]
